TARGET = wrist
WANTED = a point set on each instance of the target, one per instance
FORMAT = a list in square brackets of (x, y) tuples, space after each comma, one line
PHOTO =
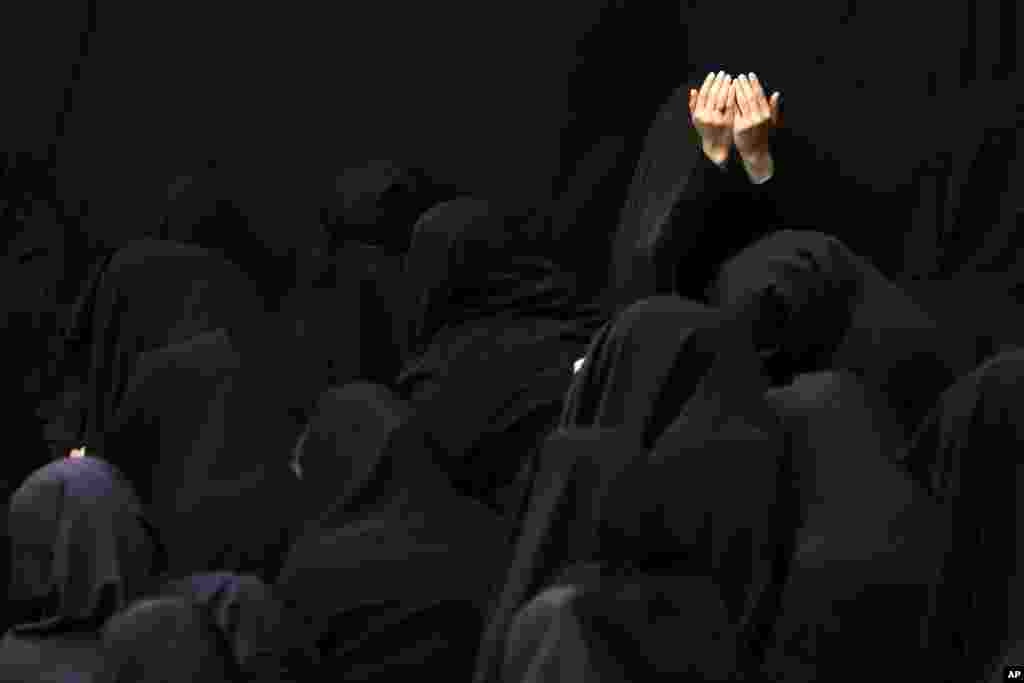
[(758, 165), (717, 155)]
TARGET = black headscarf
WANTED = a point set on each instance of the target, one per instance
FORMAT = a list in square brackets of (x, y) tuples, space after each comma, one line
[(167, 640), (244, 611), (687, 576), (355, 314), (153, 294), (203, 211), (206, 434), (712, 374), (545, 642), (870, 542), (599, 633), (378, 203), (969, 231), (963, 455), (490, 305), (81, 547), (340, 448), (394, 578), (665, 515), (683, 215), (559, 525), (828, 309), (470, 261), (638, 370), (656, 185)]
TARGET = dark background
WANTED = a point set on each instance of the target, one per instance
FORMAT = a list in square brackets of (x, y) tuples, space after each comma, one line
[(499, 98)]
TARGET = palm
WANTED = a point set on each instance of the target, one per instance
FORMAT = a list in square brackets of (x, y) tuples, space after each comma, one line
[(756, 116), (747, 133), (711, 111)]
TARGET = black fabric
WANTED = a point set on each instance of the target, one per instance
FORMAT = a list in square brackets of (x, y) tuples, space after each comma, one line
[(355, 314), (80, 548), (829, 309), (714, 374), (978, 216), (639, 368), (585, 208), (960, 454), (641, 78), (683, 214), (559, 525), (206, 434), (342, 444), (380, 473), (668, 515), (686, 248), (684, 597), (655, 187), (204, 209), (378, 203), (70, 657), (870, 543), (153, 294), (674, 627), (490, 305), (337, 331), (488, 433), (471, 261), (839, 178), (168, 640), (396, 574), (78, 327), (545, 642), (35, 271), (245, 612), (966, 233)]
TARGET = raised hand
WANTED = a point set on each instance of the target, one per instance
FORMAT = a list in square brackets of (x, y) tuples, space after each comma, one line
[(712, 111), (754, 121)]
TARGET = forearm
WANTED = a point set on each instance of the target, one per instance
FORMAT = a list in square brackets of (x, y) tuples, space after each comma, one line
[(682, 227), (760, 169)]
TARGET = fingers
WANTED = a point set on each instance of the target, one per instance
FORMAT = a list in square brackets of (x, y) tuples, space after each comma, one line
[(759, 99), (722, 84), (705, 90), (713, 92), (693, 100), (743, 105), (730, 101), (776, 99)]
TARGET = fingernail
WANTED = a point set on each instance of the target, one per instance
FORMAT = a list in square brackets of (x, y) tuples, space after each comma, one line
[(753, 76)]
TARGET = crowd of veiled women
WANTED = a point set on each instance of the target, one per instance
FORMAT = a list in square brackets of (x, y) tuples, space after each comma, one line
[(414, 445)]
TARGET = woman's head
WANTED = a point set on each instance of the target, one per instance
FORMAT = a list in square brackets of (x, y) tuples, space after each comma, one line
[(471, 259), (79, 543), (167, 640), (808, 289)]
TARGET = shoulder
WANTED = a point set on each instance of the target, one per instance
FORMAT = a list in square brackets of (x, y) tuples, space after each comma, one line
[(205, 358)]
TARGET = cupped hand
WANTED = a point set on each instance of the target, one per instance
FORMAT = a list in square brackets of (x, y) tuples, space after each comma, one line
[(712, 111), (756, 118)]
